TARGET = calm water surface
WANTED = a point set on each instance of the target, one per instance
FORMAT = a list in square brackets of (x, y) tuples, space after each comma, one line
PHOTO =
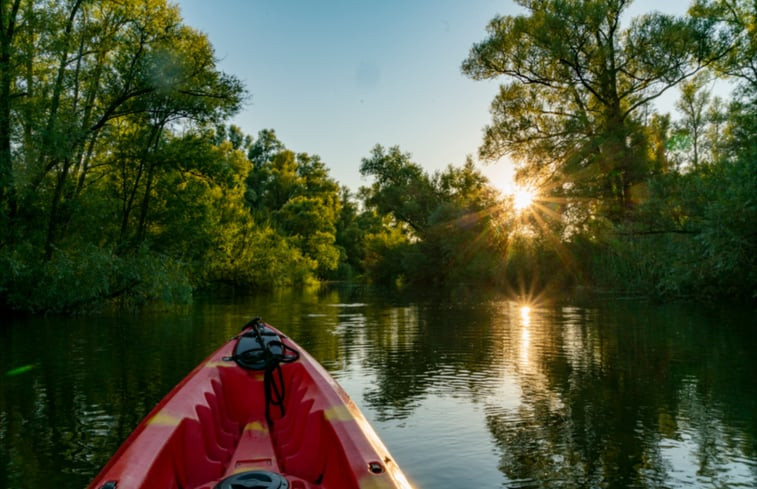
[(466, 391)]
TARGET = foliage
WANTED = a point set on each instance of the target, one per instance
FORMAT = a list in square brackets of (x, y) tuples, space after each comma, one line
[(446, 227), (118, 179), (121, 182), (736, 21), (76, 279), (579, 84), (352, 228), (295, 195), (390, 255), (632, 201), (694, 237)]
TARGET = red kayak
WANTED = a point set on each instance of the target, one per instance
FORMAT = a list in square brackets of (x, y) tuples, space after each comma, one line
[(258, 413)]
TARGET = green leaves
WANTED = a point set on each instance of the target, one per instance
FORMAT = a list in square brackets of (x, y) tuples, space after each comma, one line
[(441, 228), (294, 193), (577, 85), (733, 26), (400, 187), (90, 93)]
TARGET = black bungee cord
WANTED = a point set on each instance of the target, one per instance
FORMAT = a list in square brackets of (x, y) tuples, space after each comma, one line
[(267, 356)]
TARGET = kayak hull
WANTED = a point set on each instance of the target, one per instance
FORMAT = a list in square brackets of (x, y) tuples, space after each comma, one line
[(215, 426)]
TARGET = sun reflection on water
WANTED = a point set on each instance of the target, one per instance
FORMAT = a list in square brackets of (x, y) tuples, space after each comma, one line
[(525, 315), (525, 333)]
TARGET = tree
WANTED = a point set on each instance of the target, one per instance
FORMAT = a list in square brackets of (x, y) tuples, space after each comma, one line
[(180, 86), (400, 187), (93, 96), (295, 194), (700, 136), (8, 20), (76, 74), (693, 105), (273, 175), (352, 228), (453, 218), (579, 86)]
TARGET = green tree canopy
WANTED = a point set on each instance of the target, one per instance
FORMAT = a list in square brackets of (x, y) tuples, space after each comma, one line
[(579, 82), (400, 187), (296, 195), (455, 217), (100, 106)]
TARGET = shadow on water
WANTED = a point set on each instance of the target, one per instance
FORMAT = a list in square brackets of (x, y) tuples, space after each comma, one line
[(459, 383)]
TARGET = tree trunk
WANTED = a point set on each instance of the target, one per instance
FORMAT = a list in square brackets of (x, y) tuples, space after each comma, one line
[(130, 195), (54, 220), (7, 31), (142, 227)]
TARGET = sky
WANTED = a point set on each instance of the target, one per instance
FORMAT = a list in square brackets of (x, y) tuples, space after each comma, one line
[(336, 77)]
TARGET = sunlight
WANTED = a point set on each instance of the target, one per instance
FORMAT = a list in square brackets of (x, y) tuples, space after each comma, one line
[(525, 334), (523, 197), (525, 315)]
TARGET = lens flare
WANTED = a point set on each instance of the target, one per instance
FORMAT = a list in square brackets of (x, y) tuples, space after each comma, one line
[(523, 197)]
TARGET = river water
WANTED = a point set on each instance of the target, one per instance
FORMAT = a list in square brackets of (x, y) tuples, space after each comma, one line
[(466, 389)]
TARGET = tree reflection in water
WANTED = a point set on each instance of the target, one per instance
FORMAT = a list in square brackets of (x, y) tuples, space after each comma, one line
[(467, 389), (621, 397)]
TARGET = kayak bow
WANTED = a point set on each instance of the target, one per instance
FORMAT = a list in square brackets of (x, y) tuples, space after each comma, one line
[(260, 412)]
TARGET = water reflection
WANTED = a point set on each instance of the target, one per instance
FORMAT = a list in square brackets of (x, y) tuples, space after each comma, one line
[(467, 390), (607, 399), (525, 334)]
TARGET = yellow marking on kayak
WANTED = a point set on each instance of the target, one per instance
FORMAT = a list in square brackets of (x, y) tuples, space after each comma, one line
[(163, 419), (256, 426), (338, 413), (377, 481), (220, 364)]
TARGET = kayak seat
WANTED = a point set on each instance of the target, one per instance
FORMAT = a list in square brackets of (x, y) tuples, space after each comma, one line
[(242, 393), (227, 433), (290, 429), (314, 437), (295, 405)]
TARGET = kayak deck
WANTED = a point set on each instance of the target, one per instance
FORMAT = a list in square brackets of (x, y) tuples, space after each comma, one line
[(213, 425)]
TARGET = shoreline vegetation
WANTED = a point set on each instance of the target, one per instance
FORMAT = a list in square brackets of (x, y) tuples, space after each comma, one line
[(121, 181)]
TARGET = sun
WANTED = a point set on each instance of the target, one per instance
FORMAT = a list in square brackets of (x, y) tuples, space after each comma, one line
[(523, 197)]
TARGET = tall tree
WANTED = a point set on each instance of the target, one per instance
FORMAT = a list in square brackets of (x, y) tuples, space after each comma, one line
[(260, 154), (693, 127), (8, 22), (579, 86), (78, 69), (94, 99)]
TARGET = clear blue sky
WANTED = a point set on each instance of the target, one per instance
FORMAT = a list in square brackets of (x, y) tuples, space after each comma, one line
[(335, 78)]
